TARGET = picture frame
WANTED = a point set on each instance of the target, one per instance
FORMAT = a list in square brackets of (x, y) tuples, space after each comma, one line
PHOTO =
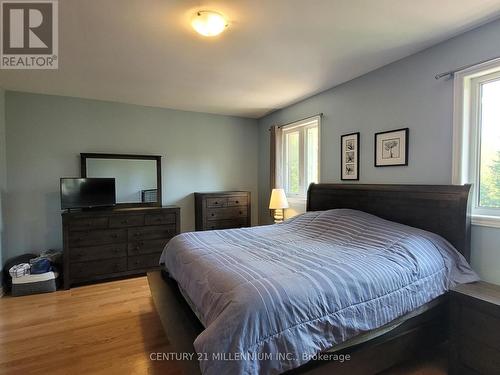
[(349, 157), (391, 148)]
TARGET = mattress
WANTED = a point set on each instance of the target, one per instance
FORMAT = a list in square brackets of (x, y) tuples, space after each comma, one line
[(313, 283)]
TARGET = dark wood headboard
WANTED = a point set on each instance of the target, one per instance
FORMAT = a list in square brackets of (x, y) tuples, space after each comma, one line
[(442, 209)]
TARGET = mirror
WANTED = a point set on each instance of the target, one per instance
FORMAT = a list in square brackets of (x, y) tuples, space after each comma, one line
[(137, 177)]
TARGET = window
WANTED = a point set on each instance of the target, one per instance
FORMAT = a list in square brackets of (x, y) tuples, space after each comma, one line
[(477, 139), (300, 156)]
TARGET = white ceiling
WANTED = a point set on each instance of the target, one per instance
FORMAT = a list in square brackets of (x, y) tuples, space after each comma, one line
[(275, 52)]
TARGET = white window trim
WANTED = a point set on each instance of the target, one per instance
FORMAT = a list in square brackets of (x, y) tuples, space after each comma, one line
[(465, 138), (299, 199)]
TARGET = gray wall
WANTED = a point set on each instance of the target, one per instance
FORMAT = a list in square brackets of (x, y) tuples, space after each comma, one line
[(402, 94), (3, 172), (45, 135)]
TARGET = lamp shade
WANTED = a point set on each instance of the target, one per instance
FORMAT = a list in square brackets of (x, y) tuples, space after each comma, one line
[(278, 200)]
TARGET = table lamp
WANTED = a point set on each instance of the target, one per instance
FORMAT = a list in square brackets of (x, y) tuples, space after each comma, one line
[(277, 203)]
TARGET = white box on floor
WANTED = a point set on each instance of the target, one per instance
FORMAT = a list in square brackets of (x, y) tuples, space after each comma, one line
[(34, 284)]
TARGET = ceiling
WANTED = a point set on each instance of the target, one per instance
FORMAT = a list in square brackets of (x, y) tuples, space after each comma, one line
[(274, 53)]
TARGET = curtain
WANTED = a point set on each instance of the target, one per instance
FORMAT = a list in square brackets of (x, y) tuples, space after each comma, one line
[(275, 178)]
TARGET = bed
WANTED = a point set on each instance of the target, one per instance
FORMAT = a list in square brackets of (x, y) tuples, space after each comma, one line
[(364, 271)]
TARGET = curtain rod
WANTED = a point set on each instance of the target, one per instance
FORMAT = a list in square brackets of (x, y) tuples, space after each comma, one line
[(302, 119), (451, 73)]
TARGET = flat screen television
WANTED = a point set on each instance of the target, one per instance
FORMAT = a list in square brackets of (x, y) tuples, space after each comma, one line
[(87, 192)]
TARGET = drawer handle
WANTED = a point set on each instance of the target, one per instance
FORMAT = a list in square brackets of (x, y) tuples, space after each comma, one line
[(213, 214), (124, 221), (114, 236), (237, 202), (216, 202), (241, 212), (116, 251)]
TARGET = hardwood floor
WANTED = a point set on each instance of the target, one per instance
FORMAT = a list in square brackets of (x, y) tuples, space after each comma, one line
[(108, 328), (104, 328)]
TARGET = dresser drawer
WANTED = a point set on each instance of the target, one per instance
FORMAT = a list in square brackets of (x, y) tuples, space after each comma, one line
[(146, 247), (216, 202), (88, 223), (160, 219), (152, 232), (239, 200), (143, 261), (124, 221), (80, 254), (226, 224), (99, 243), (226, 213), (87, 270), (97, 237)]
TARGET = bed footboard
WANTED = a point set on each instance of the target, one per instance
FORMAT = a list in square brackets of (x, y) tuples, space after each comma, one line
[(179, 323)]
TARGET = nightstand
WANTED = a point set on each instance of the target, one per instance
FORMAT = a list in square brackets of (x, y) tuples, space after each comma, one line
[(475, 329)]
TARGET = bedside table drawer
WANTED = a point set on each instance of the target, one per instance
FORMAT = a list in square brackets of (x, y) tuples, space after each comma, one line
[(475, 329), (481, 358), (482, 327)]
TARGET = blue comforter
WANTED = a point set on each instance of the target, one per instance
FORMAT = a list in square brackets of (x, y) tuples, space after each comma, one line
[(271, 297)]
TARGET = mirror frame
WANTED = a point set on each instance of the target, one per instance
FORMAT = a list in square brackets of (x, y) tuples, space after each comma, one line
[(158, 203)]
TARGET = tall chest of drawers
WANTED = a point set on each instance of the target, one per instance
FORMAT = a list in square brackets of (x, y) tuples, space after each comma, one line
[(222, 210), (104, 244)]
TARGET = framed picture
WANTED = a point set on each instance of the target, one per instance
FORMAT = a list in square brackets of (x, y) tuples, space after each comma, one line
[(349, 157), (391, 148)]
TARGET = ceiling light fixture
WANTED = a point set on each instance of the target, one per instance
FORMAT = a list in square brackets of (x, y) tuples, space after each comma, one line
[(208, 23)]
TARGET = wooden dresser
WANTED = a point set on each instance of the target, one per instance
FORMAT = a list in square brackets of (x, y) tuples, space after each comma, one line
[(222, 210), (475, 329), (102, 244)]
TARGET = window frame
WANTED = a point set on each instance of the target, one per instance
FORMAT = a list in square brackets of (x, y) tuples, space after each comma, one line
[(467, 135), (301, 126)]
